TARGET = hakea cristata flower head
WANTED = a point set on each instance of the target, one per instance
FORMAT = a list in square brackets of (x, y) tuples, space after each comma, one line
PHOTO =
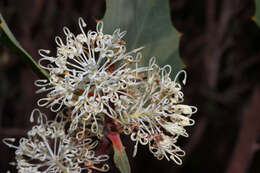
[(50, 148), (96, 79), (158, 116), (90, 72)]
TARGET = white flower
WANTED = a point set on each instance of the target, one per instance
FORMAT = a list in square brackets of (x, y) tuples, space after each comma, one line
[(49, 148), (157, 117), (91, 74), (166, 146)]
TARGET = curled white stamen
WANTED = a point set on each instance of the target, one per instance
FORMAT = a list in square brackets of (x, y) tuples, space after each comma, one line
[(177, 76)]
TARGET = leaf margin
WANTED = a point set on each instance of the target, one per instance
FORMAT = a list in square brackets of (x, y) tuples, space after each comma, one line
[(7, 38)]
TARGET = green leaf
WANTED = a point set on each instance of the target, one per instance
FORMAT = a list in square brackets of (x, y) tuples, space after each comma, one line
[(148, 24), (120, 156), (256, 18), (8, 39)]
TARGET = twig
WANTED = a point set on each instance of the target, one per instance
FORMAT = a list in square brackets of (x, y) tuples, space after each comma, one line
[(216, 34), (247, 140), (237, 70)]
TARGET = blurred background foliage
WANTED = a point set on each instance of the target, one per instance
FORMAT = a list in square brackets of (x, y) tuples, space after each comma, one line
[(219, 47), (148, 24)]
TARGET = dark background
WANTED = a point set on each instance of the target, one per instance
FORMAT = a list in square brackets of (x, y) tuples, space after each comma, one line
[(221, 50)]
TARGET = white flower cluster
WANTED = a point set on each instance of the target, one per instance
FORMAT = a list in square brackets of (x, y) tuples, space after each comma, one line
[(93, 80), (51, 148), (91, 74), (157, 117)]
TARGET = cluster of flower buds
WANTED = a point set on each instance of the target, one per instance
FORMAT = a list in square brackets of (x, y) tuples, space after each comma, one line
[(93, 81)]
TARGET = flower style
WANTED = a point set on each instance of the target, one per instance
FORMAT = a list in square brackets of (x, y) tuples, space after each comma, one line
[(49, 148)]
